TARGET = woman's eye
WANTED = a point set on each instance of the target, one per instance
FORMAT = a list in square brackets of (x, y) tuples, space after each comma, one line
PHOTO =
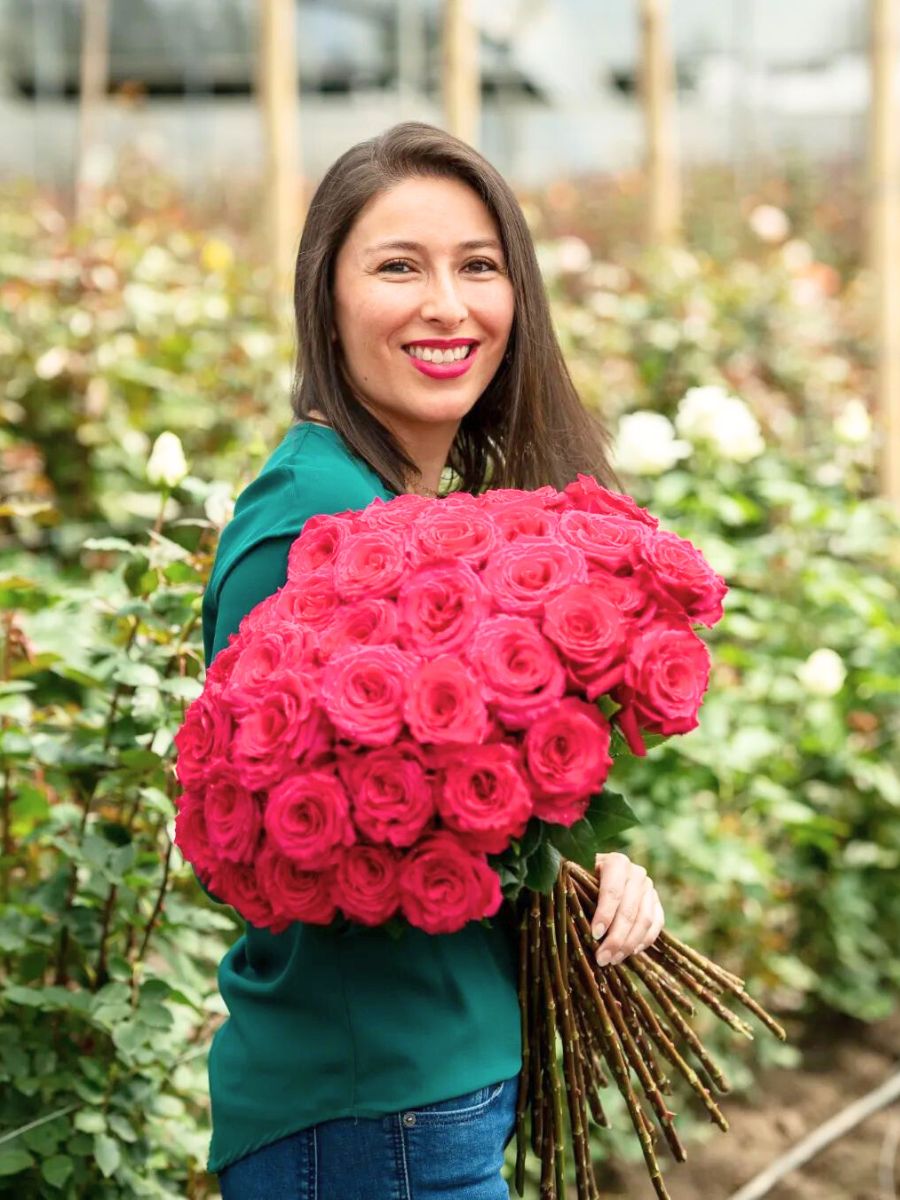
[(396, 262), (484, 262)]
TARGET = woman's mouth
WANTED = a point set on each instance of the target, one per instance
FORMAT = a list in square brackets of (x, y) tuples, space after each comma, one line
[(442, 364)]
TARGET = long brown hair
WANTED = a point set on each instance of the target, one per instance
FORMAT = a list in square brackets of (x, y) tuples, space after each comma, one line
[(528, 427)]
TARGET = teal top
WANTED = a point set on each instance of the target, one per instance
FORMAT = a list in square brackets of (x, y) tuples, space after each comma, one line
[(339, 1020)]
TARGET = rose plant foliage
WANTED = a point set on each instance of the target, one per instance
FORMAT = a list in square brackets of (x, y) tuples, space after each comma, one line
[(421, 718)]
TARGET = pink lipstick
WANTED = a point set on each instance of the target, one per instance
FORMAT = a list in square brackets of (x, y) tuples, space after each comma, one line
[(450, 370)]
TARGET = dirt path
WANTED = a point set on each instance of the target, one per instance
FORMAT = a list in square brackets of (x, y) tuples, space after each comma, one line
[(843, 1060)]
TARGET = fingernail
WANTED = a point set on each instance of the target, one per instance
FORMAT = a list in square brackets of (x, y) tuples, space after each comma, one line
[(603, 957), (598, 931)]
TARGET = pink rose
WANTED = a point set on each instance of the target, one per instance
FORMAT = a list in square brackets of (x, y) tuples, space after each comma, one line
[(369, 622), (482, 794), (587, 494), (391, 793), (367, 883), (666, 676), (203, 738), (294, 893), (525, 519), (439, 608), (307, 816), (398, 513), (369, 564), (680, 570), (279, 725), (453, 532), (280, 647), (611, 542), (233, 817), (310, 603), (443, 885), (191, 833), (444, 703), (521, 673), (364, 690), (568, 760), (526, 574), (317, 545), (238, 884), (590, 633)]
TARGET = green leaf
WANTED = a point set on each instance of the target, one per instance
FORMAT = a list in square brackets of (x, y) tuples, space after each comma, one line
[(543, 867), (56, 1170), (607, 817), (14, 1160), (90, 1120), (106, 1152)]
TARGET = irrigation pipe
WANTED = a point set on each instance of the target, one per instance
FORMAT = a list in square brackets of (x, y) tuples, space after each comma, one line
[(830, 1131)]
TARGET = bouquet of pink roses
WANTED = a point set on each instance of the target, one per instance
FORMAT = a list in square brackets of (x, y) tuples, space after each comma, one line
[(420, 721)]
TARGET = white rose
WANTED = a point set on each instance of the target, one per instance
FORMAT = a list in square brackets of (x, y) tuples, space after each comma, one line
[(823, 673), (219, 505), (710, 414), (769, 223), (853, 423), (646, 444), (167, 463)]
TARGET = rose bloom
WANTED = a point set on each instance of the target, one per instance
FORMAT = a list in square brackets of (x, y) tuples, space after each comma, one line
[(311, 603), (278, 725), (364, 690), (191, 833), (568, 760), (204, 736), (678, 566), (520, 671), (367, 883), (443, 885), (483, 795), (588, 495), (525, 519), (591, 636), (666, 676), (317, 545), (614, 543), (369, 564), (233, 816), (294, 893), (368, 622), (392, 798), (238, 884), (439, 608), (398, 514), (456, 532), (445, 704), (279, 647), (526, 574), (307, 816)]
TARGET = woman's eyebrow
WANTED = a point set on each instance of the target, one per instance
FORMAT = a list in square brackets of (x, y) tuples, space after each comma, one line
[(473, 244)]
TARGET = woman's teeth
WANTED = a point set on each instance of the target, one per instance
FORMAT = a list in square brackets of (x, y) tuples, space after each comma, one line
[(439, 356)]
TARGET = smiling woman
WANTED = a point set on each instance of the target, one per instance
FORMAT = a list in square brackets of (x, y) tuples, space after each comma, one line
[(351, 1064)]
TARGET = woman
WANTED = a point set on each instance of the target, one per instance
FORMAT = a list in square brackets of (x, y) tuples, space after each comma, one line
[(354, 1066)]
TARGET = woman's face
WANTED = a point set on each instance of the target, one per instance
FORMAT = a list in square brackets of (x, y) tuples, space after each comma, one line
[(422, 267)]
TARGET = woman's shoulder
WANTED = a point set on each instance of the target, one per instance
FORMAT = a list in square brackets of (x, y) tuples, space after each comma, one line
[(311, 471)]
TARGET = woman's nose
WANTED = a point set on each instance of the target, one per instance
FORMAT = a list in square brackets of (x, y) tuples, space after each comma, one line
[(443, 301)]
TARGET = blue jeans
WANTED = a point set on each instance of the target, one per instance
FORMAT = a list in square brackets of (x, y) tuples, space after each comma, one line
[(451, 1150)]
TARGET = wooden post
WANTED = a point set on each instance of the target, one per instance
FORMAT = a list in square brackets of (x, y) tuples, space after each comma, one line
[(659, 99), (462, 72), (94, 76), (884, 235), (279, 88)]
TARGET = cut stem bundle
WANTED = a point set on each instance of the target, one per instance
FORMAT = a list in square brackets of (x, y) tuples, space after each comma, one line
[(608, 1025)]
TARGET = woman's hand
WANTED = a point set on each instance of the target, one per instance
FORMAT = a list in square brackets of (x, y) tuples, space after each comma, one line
[(628, 908)]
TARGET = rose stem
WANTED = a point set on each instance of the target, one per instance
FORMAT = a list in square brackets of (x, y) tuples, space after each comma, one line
[(709, 998), (663, 1112), (658, 1032), (556, 954), (651, 980), (596, 1008), (534, 986), (525, 1077), (559, 1135)]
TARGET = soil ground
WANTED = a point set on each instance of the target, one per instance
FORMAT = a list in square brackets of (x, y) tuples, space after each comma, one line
[(843, 1060)]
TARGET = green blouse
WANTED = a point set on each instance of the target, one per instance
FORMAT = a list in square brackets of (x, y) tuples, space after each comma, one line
[(331, 1021)]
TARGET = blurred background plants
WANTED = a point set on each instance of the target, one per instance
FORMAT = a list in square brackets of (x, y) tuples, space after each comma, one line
[(735, 376)]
